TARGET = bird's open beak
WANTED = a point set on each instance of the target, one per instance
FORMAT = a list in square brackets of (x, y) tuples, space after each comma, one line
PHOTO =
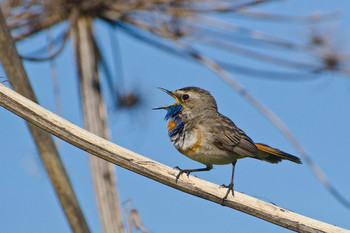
[(169, 93)]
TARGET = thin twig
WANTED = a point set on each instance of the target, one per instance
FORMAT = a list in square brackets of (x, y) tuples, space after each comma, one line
[(250, 33), (52, 54), (253, 13), (258, 55), (225, 45), (55, 80), (290, 76)]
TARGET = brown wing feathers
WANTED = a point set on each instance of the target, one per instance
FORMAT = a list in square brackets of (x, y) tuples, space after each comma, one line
[(232, 139)]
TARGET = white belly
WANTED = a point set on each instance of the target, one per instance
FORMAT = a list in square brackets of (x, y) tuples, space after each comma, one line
[(211, 156), (195, 147)]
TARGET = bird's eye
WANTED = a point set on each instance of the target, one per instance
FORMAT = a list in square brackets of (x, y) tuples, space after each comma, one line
[(185, 97)]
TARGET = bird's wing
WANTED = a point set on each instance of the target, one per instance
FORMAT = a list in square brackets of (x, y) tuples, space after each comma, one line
[(227, 136)]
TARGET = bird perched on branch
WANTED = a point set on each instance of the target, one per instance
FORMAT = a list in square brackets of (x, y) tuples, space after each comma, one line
[(200, 132)]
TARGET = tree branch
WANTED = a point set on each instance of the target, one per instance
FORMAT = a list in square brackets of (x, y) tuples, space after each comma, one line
[(113, 153)]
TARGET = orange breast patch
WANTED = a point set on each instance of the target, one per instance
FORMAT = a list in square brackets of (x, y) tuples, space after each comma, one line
[(171, 125)]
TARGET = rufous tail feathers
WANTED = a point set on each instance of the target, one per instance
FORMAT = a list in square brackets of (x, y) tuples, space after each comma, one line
[(274, 155)]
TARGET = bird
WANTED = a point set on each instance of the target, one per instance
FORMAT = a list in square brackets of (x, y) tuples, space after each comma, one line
[(200, 132)]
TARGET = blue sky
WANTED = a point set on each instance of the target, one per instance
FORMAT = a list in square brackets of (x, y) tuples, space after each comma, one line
[(317, 113)]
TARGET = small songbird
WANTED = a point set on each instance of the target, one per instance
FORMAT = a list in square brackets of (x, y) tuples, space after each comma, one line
[(200, 132)]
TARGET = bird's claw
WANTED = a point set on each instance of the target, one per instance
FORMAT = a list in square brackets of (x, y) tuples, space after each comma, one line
[(181, 171), (229, 188)]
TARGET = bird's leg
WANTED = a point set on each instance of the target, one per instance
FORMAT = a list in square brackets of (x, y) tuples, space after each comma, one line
[(188, 171), (230, 186)]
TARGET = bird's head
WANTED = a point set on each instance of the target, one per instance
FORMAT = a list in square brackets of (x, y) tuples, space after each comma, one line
[(190, 102)]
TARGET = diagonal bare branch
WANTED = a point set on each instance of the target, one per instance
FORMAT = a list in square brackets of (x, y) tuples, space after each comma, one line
[(154, 170)]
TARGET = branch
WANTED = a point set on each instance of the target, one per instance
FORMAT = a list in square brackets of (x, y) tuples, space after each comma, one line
[(44, 142), (120, 156)]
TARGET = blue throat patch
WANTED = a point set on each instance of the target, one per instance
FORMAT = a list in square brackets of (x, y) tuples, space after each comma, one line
[(172, 112)]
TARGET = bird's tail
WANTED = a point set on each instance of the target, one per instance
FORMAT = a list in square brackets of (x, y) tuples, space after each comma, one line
[(273, 155)]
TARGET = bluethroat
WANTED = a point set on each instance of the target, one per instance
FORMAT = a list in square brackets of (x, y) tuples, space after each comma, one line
[(200, 132)]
